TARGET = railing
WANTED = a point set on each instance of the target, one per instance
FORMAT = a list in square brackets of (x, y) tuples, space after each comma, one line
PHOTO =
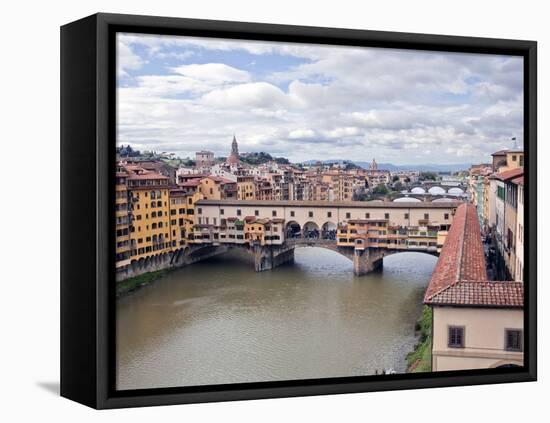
[(309, 241)]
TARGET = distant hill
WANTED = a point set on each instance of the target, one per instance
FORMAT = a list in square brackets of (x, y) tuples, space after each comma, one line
[(423, 167)]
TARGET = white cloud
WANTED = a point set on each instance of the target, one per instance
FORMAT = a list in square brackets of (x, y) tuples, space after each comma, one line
[(243, 96), (350, 103), (127, 60), (217, 73)]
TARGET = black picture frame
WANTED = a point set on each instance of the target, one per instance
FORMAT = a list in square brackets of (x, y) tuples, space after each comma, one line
[(87, 198)]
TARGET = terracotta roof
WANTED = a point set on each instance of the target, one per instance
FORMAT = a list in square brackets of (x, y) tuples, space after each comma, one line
[(481, 293), (509, 174), (146, 175), (460, 275), (191, 183), (336, 204), (518, 181)]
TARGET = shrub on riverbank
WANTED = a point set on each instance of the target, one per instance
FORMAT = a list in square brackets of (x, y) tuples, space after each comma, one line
[(131, 284), (420, 360)]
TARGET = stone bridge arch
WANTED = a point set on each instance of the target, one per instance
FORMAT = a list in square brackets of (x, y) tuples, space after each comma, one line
[(293, 229), (328, 230), (311, 229)]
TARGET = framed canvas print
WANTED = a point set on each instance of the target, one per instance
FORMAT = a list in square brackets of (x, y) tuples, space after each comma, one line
[(255, 211)]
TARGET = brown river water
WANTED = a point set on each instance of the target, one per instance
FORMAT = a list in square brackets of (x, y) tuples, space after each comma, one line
[(219, 321)]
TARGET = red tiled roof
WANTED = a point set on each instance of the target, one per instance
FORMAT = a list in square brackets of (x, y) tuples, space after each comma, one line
[(460, 276), (146, 175), (510, 174), (481, 293), (518, 181), (191, 183)]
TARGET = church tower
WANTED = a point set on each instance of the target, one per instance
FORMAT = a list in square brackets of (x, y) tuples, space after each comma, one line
[(373, 165), (235, 147), (234, 156)]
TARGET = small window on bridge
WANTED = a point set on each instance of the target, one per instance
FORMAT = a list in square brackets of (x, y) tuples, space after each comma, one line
[(446, 216), (386, 215), (310, 214), (329, 214), (292, 213), (367, 215), (256, 212), (426, 216), (222, 211), (274, 213), (348, 215), (406, 215), (238, 212)]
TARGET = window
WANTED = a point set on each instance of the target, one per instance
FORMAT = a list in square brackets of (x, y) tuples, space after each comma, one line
[(274, 213), (514, 158), (406, 215), (190, 201), (386, 215), (256, 212), (367, 215), (348, 215), (513, 339), (446, 216), (292, 213), (329, 214), (426, 216), (222, 211), (199, 210), (238, 212), (456, 337), (310, 214)]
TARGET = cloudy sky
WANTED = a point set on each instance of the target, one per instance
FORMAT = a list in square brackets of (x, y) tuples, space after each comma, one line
[(183, 94)]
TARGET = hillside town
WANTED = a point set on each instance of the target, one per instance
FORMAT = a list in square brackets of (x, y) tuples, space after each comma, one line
[(155, 201)]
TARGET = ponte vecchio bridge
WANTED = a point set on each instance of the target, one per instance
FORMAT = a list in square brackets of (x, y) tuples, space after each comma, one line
[(364, 232)]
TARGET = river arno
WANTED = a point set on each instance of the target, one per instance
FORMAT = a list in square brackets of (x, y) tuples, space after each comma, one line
[(219, 322)]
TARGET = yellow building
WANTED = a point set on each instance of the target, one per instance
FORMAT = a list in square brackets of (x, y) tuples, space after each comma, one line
[(245, 188), (254, 230), (122, 221), (217, 188), (182, 216), (150, 207), (353, 233)]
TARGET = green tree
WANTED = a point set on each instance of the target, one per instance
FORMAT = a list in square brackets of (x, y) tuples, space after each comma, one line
[(380, 189), (427, 176)]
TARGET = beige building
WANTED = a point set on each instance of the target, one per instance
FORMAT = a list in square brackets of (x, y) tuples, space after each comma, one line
[(476, 323), (476, 337), (317, 214), (520, 228)]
